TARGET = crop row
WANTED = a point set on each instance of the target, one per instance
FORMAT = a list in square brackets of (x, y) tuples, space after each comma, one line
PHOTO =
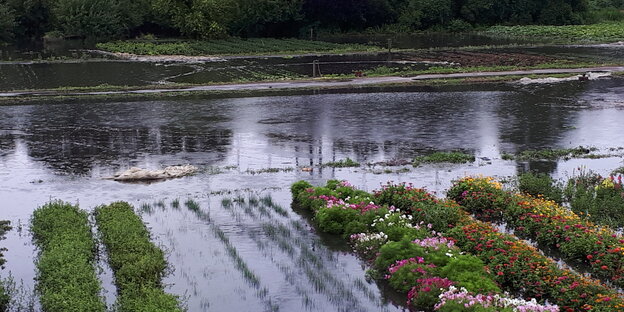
[(549, 224), (66, 267), (594, 32), (138, 264), (228, 47), (4, 296), (402, 244)]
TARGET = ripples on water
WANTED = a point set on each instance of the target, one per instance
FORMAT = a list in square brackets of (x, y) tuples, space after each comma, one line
[(248, 254)]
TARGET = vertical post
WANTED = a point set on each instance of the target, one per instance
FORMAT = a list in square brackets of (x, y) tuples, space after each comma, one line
[(316, 68), (311, 33), (389, 50)]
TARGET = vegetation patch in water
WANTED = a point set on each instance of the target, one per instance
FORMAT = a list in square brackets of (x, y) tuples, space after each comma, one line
[(137, 263), (66, 278), (5, 298), (425, 259), (551, 154), (540, 184), (343, 163), (549, 224), (444, 157), (602, 32), (231, 46)]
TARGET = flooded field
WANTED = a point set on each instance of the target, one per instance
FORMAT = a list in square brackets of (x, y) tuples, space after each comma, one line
[(232, 238), (71, 65)]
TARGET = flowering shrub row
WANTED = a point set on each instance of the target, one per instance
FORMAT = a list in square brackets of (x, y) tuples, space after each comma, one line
[(549, 224), (400, 244), (517, 267)]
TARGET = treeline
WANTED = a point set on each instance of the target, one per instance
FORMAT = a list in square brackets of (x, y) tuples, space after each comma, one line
[(107, 19)]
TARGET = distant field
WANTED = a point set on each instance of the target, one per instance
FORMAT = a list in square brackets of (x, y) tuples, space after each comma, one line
[(603, 32), (232, 46)]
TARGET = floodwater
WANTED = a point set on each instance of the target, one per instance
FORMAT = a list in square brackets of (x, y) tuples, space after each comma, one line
[(66, 64), (246, 248)]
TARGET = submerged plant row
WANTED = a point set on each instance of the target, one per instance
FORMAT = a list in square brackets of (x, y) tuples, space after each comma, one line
[(137, 263), (442, 258), (66, 267), (66, 278)]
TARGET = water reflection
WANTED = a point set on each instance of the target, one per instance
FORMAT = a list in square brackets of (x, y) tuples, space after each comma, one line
[(312, 129)]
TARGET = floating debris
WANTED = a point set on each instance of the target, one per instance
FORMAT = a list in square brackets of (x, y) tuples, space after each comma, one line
[(139, 174)]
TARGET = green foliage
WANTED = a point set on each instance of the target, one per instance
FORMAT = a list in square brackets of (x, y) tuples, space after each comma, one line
[(540, 184), (445, 157), (395, 251), (299, 187), (570, 33), (231, 46), (65, 268), (137, 263), (7, 22), (88, 18), (335, 220), (5, 299), (554, 154), (598, 199), (343, 163), (469, 272)]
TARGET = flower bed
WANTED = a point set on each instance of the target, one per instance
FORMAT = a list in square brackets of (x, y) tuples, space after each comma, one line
[(401, 246), (518, 267), (549, 224)]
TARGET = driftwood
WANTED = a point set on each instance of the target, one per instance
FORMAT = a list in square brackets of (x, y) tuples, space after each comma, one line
[(139, 174)]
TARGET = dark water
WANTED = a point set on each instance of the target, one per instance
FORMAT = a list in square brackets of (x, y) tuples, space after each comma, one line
[(64, 151)]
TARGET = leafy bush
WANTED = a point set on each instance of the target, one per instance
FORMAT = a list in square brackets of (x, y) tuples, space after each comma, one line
[(540, 184), (596, 198), (137, 263), (65, 268)]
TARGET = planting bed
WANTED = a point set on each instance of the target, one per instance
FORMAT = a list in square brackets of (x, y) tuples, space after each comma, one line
[(137, 263), (428, 248), (66, 278)]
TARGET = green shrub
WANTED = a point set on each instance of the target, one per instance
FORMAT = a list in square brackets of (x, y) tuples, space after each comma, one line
[(540, 184), (65, 268), (138, 264)]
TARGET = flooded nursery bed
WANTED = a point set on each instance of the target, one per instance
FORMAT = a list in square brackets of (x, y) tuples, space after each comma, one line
[(230, 235)]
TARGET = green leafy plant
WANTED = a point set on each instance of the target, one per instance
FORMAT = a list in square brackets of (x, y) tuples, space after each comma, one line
[(138, 264), (66, 278)]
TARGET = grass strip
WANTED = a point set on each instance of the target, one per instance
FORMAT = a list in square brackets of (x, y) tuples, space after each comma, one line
[(137, 263), (66, 278)]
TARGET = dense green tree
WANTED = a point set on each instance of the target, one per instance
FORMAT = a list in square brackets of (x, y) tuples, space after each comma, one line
[(7, 22), (255, 17), (423, 14), (99, 19), (32, 18)]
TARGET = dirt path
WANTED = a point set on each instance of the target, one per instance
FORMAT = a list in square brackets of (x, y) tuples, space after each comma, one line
[(320, 83)]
